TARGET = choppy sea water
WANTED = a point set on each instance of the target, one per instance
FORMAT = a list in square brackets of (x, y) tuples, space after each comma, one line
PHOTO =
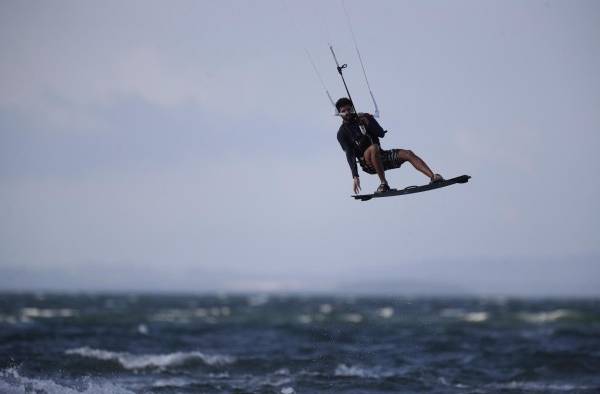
[(71, 343)]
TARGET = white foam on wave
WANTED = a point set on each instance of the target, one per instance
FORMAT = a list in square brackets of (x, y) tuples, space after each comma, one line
[(220, 375), (386, 312), (142, 361), (352, 317), (28, 314), (282, 371), (545, 317), (258, 299), (142, 329), (471, 317), (538, 386), (308, 319), (253, 383), (325, 308), (178, 315), (361, 372), (305, 319), (47, 313), (11, 382), (172, 382), (476, 317)]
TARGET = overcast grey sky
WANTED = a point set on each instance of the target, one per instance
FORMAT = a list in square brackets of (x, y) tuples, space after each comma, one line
[(188, 146)]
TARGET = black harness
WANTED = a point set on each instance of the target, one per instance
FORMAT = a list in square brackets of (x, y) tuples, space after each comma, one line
[(360, 141)]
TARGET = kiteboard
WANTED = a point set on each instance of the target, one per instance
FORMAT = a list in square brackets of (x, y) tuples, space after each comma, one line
[(414, 189)]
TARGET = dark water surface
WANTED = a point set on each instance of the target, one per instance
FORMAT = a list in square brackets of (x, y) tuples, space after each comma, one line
[(70, 343)]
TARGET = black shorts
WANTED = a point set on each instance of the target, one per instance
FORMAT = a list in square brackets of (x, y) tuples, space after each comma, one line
[(390, 158)]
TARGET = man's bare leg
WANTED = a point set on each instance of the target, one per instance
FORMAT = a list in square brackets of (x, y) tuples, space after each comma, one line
[(416, 161), (373, 157)]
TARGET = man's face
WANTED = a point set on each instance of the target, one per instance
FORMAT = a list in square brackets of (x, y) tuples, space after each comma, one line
[(346, 112)]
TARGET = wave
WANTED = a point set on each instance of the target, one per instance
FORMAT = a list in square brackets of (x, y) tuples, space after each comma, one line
[(352, 317), (11, 382), (160, 361), (386, 312), (29, 314), (539, 386), (471, 317), (545, 317), (183, 382), (47, 313), (172, 382), (178, 315), (344, 370)]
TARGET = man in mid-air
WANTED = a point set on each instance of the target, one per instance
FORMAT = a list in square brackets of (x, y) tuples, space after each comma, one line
[(365, 148)]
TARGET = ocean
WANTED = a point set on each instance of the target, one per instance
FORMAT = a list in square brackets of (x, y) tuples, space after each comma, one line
[(285, 344)]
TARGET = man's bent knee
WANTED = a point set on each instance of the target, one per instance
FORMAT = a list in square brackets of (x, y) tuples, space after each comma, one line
[(369, 151), (370, 148), (373, 149)]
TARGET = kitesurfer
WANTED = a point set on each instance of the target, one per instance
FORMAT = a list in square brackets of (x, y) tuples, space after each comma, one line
[(366, 148)]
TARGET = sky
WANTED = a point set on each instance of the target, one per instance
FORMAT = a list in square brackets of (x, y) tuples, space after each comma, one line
[(189, 146)]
